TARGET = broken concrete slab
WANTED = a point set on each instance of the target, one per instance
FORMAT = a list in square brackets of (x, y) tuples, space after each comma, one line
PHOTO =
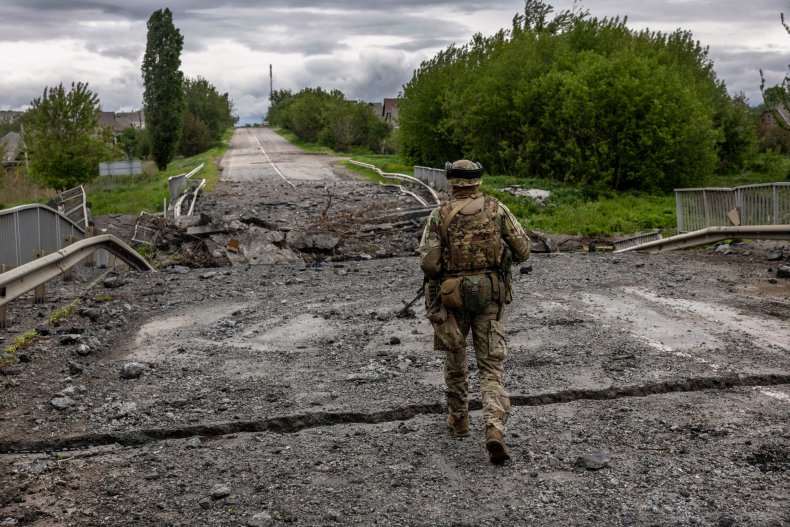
[(537, 195), (185, 222), (256, 248), (305, 241), (206, 230)]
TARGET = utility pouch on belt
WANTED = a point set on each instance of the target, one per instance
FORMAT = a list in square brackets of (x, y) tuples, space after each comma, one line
[(451, 293), (477, 292)]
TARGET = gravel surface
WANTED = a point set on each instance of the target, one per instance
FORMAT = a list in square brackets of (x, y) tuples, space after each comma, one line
[(647, 389)]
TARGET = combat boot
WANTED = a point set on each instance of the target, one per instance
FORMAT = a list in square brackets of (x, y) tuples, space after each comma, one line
[(459, 426), (498, 452)]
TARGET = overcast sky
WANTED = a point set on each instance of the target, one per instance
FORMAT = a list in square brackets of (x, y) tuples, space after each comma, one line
[(366, 48)]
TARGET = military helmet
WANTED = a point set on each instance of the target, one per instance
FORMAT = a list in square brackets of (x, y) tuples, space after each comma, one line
[(463, 173)]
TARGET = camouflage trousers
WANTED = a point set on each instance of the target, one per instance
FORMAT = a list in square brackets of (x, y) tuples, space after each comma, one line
[(488, 336)]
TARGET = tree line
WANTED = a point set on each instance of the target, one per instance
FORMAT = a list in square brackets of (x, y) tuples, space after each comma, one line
[(580, 100), (329, 119), (64, 141)]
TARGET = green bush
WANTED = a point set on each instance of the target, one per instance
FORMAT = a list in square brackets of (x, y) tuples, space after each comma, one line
[(577, 100)]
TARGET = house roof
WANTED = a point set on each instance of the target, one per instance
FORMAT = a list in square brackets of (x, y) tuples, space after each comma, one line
[(10, 142), (108, 119), (377, 108), (781, 111), (134, 119)]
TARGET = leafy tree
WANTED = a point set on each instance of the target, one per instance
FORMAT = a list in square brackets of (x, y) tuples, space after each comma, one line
[(279, 102), (204, 102), (135, 143), (576, 99), (195, 137), (63, 138), (328, 118), (163, 98)]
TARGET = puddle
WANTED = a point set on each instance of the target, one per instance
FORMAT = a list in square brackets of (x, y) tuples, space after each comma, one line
[(295, 331), (774, 394), (683, 326), (764, 332), (146, 344)]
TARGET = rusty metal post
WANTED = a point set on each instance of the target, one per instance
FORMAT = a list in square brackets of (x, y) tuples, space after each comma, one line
[(4, 322), (89, 260), (40, 294), (68, 274), (3, 314)]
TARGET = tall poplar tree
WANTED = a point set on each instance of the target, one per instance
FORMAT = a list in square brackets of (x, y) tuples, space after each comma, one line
[(163, 98)]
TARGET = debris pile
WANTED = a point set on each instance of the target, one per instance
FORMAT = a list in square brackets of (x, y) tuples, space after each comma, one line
[(164, 243)]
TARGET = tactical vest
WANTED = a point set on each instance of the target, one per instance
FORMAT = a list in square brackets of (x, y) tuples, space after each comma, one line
[(472, 239)]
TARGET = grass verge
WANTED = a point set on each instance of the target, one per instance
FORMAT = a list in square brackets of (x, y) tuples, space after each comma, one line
[(134, 194)]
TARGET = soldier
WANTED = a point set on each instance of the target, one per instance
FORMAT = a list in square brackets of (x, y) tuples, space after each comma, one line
[(467, 248)]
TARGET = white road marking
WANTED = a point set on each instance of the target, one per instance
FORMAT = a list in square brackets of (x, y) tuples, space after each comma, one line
[(776, 395), (268, 159)]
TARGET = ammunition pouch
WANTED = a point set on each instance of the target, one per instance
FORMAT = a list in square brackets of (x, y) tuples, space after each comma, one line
[(451, 293), (477, 292)]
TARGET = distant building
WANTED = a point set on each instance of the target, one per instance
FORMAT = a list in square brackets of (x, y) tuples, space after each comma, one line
[(9, 144), (122, 120), (377, 108), (390, 111), (9, 116), (778, 116), (135, 119), (387, 111)]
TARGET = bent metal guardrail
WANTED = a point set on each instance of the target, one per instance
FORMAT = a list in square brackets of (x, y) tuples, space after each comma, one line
[(20, 280), (405, 177), (435, 177), (177, 184), (712, 235)]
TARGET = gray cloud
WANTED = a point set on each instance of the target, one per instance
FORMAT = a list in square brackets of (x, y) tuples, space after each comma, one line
[(367, 49)]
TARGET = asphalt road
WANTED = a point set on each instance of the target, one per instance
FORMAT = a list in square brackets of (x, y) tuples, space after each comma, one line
[(292, 395), (261, 155)]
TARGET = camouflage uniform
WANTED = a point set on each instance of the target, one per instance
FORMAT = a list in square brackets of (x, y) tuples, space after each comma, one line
[(472, 249)]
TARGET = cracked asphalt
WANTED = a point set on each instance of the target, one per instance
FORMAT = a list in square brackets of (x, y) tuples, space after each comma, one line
[(290, 394)]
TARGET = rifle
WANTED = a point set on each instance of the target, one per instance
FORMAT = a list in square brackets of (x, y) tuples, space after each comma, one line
[(403, 313)]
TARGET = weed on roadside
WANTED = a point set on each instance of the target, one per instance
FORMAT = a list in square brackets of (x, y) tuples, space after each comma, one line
[(21, 343), (63, 313)]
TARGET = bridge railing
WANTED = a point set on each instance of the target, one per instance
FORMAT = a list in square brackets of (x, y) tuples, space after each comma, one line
[(762, 204), (431, 176), (177, 184), (28, 230)]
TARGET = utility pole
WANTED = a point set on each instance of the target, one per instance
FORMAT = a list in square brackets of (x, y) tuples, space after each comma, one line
[(271, 83)]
